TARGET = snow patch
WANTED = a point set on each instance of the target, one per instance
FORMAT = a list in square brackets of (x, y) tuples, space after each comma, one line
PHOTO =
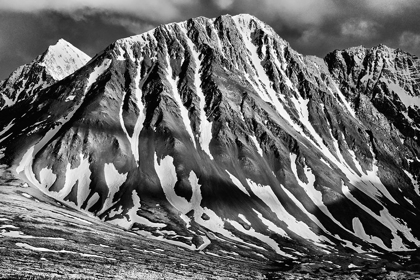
[(167, 175), (243, 218), (114, 181), (360, 232), (92, 201), (186, 219), (26, 195), (8, 102), (70, 98), (406, 99), (257, 145), (80, 174)]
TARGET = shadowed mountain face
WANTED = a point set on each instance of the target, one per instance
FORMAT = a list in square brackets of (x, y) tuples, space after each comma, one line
[(213, 134)]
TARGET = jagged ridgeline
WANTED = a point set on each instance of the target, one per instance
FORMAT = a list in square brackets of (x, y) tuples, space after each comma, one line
[(215, 133)]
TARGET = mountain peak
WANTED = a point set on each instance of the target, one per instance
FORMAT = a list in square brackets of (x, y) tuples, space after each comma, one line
[(246, 17), (62, 59), (56, 63)]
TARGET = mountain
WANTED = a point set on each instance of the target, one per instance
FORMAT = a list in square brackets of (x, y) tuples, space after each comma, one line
[(389, 79), (56, 63), (215, 135)]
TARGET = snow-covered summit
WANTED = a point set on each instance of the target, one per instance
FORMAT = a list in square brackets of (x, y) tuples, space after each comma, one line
[(63, 59)]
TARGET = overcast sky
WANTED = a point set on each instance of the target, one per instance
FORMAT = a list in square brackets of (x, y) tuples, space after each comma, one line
[(316, 27)]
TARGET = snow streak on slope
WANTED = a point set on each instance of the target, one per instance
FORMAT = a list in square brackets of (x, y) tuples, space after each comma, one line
[(139, 123), (238, 183), (271, 226), (176, 95), (343, 100), (257, 145), (360, 231)]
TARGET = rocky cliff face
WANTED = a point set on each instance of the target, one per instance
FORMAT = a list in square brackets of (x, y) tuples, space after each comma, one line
[(384, 86), (215, 135)]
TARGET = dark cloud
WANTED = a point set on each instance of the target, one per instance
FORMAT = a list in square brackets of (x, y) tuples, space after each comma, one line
[(313, 27)]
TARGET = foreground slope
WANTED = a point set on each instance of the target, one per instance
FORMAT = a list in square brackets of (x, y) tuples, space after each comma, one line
[(43, 239), (213, 134)]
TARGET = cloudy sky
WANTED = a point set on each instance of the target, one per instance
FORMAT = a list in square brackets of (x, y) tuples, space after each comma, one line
[(316, 27)]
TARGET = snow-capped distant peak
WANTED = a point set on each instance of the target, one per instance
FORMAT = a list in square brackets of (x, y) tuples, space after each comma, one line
[(62, 59)]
